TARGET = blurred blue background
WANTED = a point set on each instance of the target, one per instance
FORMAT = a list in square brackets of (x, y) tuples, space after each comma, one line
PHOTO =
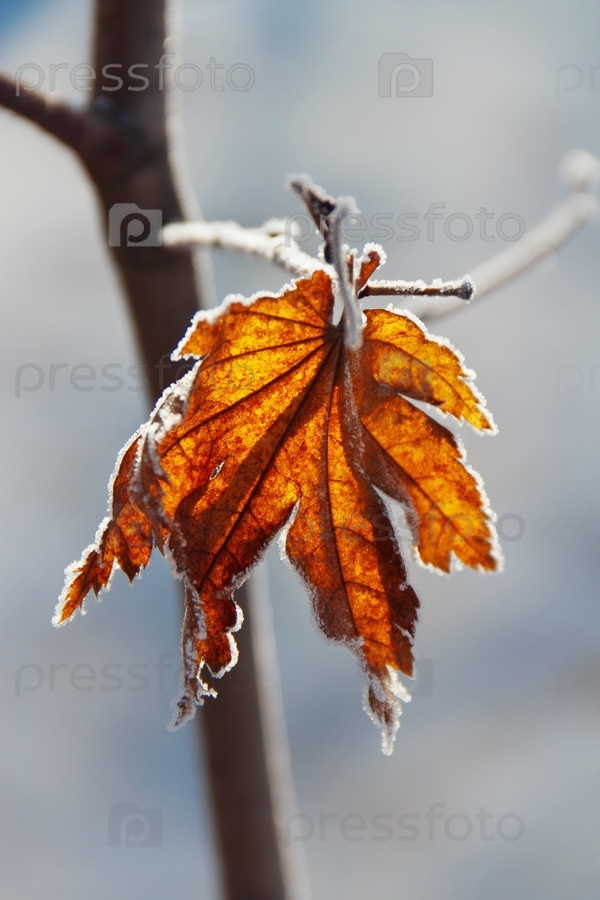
[(510, 725)]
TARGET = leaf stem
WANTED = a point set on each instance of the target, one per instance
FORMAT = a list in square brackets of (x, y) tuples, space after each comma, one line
[(463, 288), (345, 206)]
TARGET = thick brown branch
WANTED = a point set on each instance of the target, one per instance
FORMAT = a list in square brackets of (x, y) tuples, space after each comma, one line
[(164, 294), (129, 40), (132, 166), (67, 124), (123, 141), (239, 781)]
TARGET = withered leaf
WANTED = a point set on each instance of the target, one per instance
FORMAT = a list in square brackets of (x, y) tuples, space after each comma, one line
[(280, 426)]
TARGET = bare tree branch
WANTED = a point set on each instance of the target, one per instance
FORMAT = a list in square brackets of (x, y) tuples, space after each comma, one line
[(164, 294), (126, 143), (250, 771), (581, 172), (239, 780), (69, 125), (271, 241)]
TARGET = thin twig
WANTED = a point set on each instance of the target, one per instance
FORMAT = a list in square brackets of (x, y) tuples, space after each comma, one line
[(463, 288), (274, 241), (319, 204), (581, 171), (271, 241)]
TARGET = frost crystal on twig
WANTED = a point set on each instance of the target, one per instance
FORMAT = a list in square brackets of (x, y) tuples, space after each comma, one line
[(275, 241), (463, 288)]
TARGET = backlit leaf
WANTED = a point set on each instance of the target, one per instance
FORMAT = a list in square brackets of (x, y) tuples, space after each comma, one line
[(280, 428)]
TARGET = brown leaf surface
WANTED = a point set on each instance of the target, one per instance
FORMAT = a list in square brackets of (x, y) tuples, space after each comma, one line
[(401, 354), (125, 540), (280, 426), (410, 456)]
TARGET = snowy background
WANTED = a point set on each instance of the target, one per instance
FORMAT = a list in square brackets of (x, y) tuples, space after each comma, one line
[(508, 720)]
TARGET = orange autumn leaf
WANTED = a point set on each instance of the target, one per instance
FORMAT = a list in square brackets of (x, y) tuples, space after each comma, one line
[(410, 456), (282, 428), (124, 540)]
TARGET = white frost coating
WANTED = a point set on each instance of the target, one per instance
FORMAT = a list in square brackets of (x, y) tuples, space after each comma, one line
[(169, 411), (370, 247), (282, 539), (463, 288), (192, 688), (71, 572), (167, 414), (580, 170), (184, 703), (367, 249), (151, 440), (273, 241), (173, 570), (389, 694), (400, 690)]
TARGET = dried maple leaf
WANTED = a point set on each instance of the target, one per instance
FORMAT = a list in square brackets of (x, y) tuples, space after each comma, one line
[(281, 427)]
